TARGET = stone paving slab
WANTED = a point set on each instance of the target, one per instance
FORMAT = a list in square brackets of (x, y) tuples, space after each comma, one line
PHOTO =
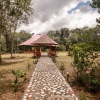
[(47, 83)]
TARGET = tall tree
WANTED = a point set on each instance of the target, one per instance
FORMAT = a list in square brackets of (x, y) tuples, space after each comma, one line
[(12, 14), (20, 10), (21, 37), (96, 4), (2, 23)]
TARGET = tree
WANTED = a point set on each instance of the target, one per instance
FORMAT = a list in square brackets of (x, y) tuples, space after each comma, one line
[(86, 64), (13, 14), (3, 45), (96, 4), (20, 37), (2, 23), (19, 14)]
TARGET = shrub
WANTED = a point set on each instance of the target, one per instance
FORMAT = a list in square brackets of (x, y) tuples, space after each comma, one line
[(18, 74), (62, 67), (83, 96), (28, 66), (35, 61), (54, 59), (86, 65), (62, 48)]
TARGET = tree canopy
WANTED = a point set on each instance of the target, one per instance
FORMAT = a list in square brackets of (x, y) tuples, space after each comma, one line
[(12, 14)]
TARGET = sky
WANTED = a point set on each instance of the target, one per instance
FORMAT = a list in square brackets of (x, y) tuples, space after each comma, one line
[(57, 14)]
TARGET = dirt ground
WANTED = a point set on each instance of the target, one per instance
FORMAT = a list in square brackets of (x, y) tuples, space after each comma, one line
[(20, 62), (80, 91)]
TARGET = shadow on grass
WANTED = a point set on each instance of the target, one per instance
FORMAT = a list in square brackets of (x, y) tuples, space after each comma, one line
[(17, 57), (10, 62)]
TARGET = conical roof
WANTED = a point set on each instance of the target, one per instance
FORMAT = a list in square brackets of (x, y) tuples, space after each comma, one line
[(44, 39)]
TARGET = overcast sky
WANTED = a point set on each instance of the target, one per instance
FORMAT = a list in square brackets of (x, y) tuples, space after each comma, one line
[(56, 14)]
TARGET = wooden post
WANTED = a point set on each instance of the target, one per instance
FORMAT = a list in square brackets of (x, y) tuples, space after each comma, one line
[(50, 51), (55, 50), (39, 53), (34, 51)]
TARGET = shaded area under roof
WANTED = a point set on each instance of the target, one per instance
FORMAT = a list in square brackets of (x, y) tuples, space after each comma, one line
[(30, 41), (44, 40)]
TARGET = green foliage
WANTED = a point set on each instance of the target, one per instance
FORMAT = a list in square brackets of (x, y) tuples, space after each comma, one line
[(62, 48), (35, 61), (96, 4), (54, 59), (28, 66), (22, 36), (86, 63), (3, 44), (62, 67), (86, 35), (12, 14), (18, 74), (83, 96)]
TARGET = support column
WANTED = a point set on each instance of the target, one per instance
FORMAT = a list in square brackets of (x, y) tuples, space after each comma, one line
[(34, 52), (55, 50)]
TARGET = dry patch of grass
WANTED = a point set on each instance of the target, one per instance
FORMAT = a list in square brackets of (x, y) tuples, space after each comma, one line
[(66, 60), (19, 62)]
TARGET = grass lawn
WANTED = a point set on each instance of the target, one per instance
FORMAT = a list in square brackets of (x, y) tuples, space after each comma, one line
[(20, 62), (66, 60)]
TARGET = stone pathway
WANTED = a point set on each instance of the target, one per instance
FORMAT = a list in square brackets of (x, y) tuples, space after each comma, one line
[(47, 83)]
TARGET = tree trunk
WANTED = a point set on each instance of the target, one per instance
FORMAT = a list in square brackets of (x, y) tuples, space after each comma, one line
[(0, 49), (12, 40), (12, 43), (7, 42)]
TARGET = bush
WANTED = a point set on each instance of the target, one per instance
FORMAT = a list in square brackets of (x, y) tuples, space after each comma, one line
[(28, 66), (35, 61), (86, 64), (62, 67), (83, 96), (62, 48), (54, 59), (18, 74)]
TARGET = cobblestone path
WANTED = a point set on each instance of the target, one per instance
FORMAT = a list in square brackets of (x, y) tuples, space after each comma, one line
[(47, 83)]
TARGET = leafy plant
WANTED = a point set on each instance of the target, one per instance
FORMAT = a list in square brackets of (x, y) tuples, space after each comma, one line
[(62, 67), (83, 96), (35, 61), (86, 65), (62, 48), (18, 74), (28, 66), (54, 59)]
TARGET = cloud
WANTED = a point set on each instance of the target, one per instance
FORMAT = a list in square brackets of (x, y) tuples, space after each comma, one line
[(86, 8), (53, 15), (43, 10), (83, 6), (81, 20)]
